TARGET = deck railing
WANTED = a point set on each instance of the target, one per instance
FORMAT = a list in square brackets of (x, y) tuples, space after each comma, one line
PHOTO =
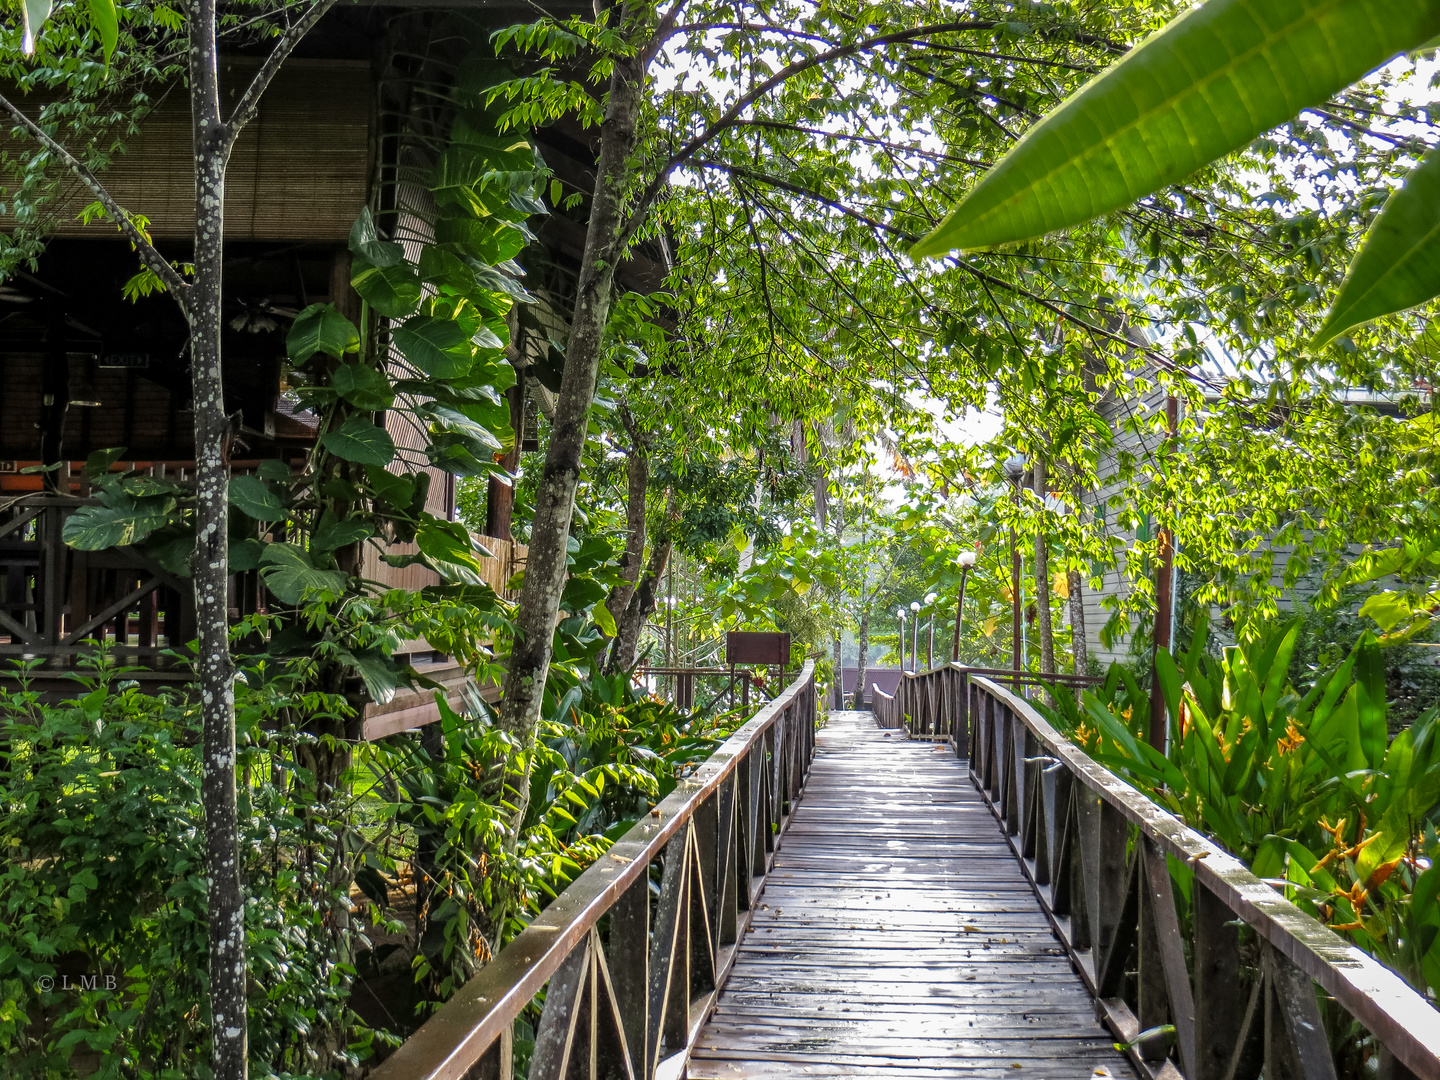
[(1233, 970), (938, 701), (628, 999)]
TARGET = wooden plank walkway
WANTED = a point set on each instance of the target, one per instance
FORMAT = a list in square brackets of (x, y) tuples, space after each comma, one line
[(897, 938)]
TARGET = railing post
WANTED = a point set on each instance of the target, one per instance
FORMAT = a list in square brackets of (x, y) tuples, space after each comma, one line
[(629, 957)]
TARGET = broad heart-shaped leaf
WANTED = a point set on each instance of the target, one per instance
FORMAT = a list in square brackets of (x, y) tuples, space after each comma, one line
[(358, 439), (381, 675), (332, 534), (1399, 265), (293, 579), (446, 268), (393, 291), (366, 243), (245, 554), (121, 520), (456, 421), (321, 328), (487, 239), (1209, 83), (363, 387), (438, 347), (250, 495), (398, 491)]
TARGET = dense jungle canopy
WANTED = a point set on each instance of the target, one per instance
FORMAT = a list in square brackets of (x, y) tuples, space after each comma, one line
[(735, 400)]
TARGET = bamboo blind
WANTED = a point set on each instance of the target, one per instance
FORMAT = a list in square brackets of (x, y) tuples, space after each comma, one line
[(299, 170)]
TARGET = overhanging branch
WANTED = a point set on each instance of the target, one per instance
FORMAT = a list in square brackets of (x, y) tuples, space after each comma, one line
[(249, 103), (153, 260)]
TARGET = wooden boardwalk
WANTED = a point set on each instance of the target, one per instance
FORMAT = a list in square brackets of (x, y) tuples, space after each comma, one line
[(897, 938)]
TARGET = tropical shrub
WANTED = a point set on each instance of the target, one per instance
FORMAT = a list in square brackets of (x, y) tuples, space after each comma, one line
[(603, 757), (1307, 788), (103, 946)]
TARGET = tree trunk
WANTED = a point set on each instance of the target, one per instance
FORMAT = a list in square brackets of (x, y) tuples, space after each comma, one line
[(1079, 646), (1042, 580), (224, 899), (529, 661), (640, 608), (860, 662), (839, 696), (638, 475), (1079, 649)]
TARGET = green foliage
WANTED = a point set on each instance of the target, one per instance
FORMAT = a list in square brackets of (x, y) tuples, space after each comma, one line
[(1208, 84), (104, 877), (1307, 788), (604, 755)]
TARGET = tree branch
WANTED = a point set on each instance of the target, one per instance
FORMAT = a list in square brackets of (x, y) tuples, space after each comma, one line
[(249, 103), (728, 118), (153, 260)]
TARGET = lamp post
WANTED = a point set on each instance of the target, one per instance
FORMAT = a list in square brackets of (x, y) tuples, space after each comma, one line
[(930, 599), (1015, 469), (900, 615), (966, 561), (914, 635)]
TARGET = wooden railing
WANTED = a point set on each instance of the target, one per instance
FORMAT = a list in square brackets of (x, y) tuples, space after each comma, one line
[(1233, 971), (628, 998), (938, 700)]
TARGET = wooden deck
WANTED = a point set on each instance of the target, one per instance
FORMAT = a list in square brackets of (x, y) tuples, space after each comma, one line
[(896, 937)]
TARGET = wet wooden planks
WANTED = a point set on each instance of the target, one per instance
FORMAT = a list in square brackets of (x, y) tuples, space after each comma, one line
[(897, 938)]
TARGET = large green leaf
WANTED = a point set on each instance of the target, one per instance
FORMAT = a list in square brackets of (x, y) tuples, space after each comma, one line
[(363, 387), (122, 520), (1399, 266), (438, 347), (106, 23), (1209, 83), (357, 439), (251, 495), (320, 328), (393, 291), (293, 578), (33, 14), (455, 420), (333, 534), (366, 243)]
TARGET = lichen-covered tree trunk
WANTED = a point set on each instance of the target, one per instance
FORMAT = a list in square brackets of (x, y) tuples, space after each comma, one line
[(539, 605), (223, 892)]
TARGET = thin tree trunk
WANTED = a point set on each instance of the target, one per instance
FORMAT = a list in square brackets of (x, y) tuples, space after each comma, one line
[(839, 696), (224, 897), (1079, 646), (1079, 649), (529, 662), (638, 476), (1042, 580), (861, 661), (641, 607)]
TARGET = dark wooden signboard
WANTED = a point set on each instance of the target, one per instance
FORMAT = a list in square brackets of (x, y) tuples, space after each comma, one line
[(757, 647)]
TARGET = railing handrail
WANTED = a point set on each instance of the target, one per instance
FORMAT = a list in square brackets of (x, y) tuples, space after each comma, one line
[(1376, 996), (1007, 673), (447, 1046)]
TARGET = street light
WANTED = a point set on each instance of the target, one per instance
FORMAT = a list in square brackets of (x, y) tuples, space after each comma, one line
[(930, 599), (915, 635), (900, 614), (966, 561)]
